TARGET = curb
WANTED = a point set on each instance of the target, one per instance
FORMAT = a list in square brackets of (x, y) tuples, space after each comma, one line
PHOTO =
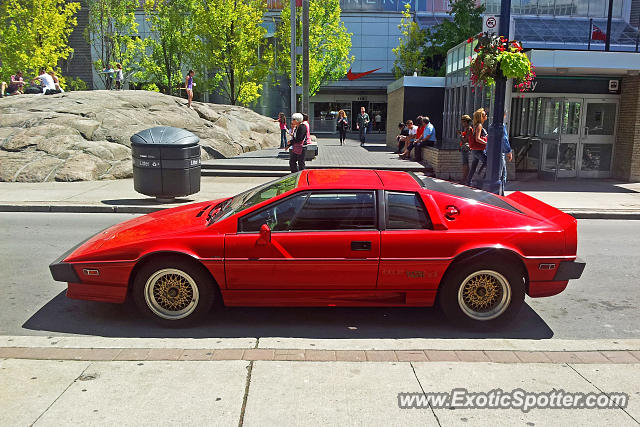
[(578, 214)]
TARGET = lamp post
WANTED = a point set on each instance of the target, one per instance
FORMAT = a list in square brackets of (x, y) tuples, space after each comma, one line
[(494, 145)]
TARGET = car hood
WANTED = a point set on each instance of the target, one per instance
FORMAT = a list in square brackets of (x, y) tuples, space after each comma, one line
[(164, 223)]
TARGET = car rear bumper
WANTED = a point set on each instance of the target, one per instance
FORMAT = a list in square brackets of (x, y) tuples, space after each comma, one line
[(569, 270)]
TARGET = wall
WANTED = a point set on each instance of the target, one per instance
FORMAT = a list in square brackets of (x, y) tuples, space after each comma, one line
[(626, 161), (419, 101), (395, 106)]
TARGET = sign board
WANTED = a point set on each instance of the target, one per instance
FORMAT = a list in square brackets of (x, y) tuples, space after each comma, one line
[(614, 86), (491, 24)]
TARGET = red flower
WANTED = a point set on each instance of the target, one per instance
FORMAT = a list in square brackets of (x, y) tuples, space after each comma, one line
[(470, 39)]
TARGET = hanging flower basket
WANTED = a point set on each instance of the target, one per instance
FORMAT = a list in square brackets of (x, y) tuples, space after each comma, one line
[(499, 57)]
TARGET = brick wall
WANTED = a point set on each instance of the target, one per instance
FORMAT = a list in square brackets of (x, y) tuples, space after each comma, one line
[(447, 164), (626, 161), (395, 106)]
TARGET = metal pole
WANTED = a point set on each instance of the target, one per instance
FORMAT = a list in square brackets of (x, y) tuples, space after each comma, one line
[(494, 145), (293, 57), (607, 43), (305, 57)]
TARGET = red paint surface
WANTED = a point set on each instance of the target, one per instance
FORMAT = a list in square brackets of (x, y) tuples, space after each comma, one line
[(319, 268)]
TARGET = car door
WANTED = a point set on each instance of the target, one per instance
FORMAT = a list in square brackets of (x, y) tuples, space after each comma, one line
[(410, 255), (319, 240)]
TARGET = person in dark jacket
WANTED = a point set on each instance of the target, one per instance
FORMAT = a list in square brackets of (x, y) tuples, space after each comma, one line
[(296, 155)]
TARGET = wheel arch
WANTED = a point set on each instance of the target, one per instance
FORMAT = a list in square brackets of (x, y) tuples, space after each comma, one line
[(151, 256), (477, 254)]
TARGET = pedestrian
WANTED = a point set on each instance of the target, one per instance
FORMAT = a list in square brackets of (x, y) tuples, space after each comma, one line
[(506, 154), (412, 131), (46, 82), (362, 122), (16, 84), (189, 84), (282, 121), (343, 124), (297, 153), (108, 72), (478, 144), (401, 138), (56, 81), (378, 119), (415, 138), (119, 77), (465, 131)]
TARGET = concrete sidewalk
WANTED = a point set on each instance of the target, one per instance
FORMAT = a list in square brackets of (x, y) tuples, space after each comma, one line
[(581, 198), (239, 392)]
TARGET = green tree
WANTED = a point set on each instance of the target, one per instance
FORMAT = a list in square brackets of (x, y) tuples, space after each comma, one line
[(329, 43), (231, 51), (171, 22), (34, 34), (113, 35), (466, 21), (409, 56)]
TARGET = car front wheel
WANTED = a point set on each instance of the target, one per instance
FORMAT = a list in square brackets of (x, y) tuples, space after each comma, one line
[(482, 294), (174, 293)]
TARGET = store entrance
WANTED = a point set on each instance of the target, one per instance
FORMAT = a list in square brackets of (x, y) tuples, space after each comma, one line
[(577, 136)]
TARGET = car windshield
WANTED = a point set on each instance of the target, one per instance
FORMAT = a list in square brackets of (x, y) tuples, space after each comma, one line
[(252, 197)]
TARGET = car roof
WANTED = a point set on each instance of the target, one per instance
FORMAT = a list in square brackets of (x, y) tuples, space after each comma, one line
[(357, 178)]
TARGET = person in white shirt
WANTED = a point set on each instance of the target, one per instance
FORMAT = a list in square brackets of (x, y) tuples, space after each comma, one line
[(47, 83)]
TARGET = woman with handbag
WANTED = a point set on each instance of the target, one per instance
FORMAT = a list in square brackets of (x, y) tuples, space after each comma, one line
[(343, 124)]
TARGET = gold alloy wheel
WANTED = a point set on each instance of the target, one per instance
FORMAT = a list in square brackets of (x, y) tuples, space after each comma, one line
[(484, 295), (171, 294)]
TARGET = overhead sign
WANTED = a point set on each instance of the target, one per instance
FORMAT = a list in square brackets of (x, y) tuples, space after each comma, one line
[(491, 24)]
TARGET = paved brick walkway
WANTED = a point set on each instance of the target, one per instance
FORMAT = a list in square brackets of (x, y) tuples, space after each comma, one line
[(374, 155), (157, 354)]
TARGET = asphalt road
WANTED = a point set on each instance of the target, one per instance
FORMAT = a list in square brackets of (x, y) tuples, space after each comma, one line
[(603, 304)]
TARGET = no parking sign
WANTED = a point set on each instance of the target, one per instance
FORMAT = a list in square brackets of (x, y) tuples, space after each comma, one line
[(490, 24)]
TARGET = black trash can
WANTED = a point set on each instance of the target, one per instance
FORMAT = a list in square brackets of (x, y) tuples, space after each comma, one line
[(166, 162)]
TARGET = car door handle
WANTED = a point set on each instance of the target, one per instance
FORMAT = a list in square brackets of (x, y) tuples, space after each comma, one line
[(360, 246)]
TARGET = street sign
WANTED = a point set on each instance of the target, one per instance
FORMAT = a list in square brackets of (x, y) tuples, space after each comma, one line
[(491, 24)]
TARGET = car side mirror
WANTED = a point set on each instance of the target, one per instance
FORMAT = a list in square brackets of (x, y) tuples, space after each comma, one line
[(265, 233)]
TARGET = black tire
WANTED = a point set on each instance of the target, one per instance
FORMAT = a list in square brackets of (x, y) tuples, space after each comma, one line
[(482, 294), (173, 292)]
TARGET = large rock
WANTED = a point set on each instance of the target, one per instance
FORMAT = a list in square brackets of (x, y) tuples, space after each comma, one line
[(85, 135)]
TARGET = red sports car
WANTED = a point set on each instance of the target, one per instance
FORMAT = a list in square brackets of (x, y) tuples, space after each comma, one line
[(333, 238)]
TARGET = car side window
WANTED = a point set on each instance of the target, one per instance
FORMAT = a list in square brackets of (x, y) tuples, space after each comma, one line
[(337, 211), (277, 216), (405, 211)]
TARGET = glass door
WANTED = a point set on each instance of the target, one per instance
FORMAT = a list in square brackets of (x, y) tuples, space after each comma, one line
[(560, 132), (569, 138), (598, 137), (549, 130)]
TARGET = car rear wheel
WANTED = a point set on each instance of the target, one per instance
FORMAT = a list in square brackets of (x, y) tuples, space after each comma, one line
[(482, 293), (173, 292)]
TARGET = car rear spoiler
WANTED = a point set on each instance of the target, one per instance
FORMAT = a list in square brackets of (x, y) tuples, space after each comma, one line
[(550, 214)]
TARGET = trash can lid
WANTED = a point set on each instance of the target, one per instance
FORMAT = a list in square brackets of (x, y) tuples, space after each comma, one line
[(164, 136)]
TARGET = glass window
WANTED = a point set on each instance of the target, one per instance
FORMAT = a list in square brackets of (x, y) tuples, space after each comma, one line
[(597, 157), (255, 196), (337, 211), (532, 116), (277, 216), (524, 117), (597, 8), (406, 212), (601, 118)]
